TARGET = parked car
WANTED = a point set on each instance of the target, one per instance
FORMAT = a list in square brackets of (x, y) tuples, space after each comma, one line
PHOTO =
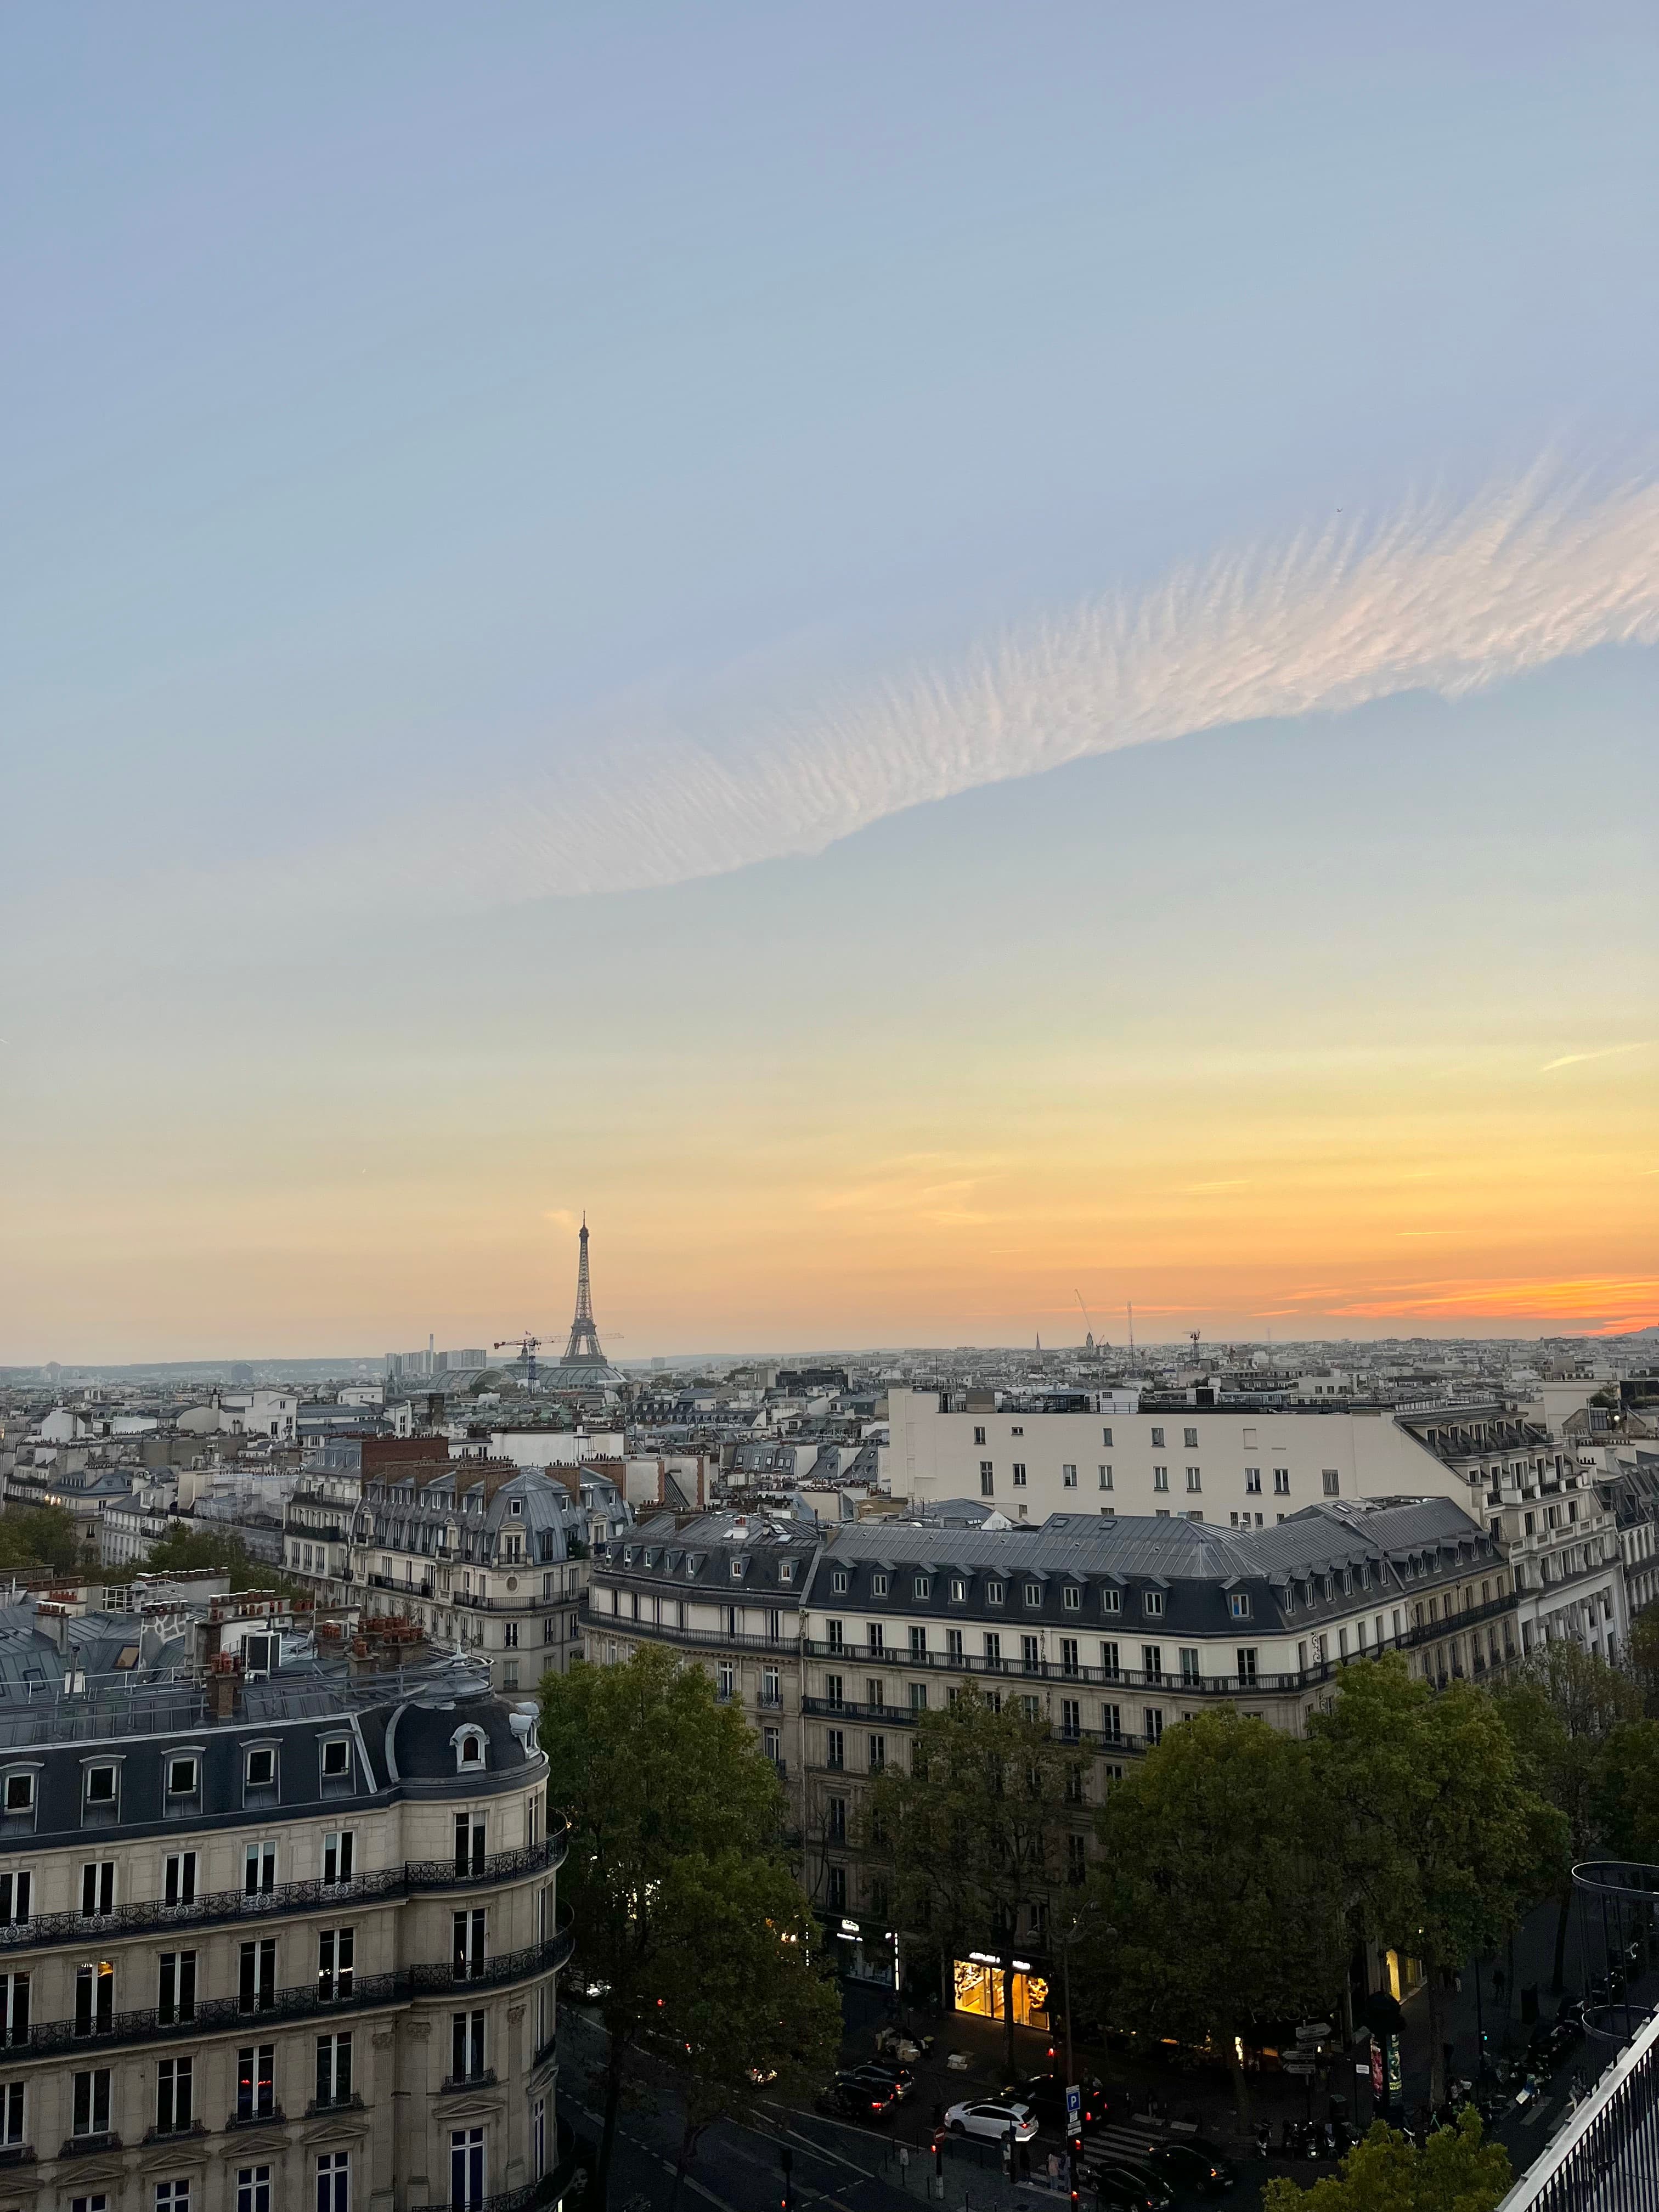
[(1125, 2189), (899, 2079), (993, 2117), (864, 2101), (1045, 2095), (1195, 2165)]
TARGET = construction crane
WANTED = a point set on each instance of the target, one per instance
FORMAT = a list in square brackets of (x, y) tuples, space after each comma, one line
[(527, 1347), (1088, 1321)]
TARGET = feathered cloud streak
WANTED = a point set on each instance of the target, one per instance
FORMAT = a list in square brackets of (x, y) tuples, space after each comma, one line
[(1443, 597)]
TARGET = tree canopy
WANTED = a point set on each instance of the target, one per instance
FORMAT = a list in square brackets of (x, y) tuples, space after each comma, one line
[(40, 1540), (1455, 2171), (685, 1912), (190, 1550), (1442, 1842), (1219, 1882), (971, 1833)]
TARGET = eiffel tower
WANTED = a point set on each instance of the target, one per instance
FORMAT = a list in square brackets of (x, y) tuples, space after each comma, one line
[(584, 1359)]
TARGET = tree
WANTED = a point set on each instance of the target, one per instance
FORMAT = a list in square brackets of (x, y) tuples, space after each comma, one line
[(1559, 1708), (1627, 1800), (668, 1798), (1454, 2171), (971, 1833), (1643, 1654), (751, 2008), (1441, 1842), (40, 1538), (1218, 1882), (185, 1550)]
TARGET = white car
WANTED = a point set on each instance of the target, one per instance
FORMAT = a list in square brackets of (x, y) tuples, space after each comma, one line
[(992, 2116)]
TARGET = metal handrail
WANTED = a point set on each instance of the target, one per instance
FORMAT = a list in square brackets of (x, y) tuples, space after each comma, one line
[(313, 1896)]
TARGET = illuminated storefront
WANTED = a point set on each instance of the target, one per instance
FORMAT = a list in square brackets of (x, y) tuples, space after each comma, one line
[(978, 1982), (866, 1954)]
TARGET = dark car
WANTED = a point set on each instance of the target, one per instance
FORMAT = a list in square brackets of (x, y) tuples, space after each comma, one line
[(899, 2079), (1045, 2095), (866, 2102), (1128, 2189), (1195, 2165)]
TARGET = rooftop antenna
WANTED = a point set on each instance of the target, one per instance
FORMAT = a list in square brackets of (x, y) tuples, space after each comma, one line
[(1132, 1327)]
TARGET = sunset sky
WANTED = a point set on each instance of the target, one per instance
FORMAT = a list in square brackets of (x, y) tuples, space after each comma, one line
[(932, 658)]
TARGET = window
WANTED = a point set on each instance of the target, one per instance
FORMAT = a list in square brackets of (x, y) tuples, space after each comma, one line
[(785, 1570), (255, 2080), (1077, 1856), (334, 2181), (11, 2114), (1016, 1431), (89, 2103), (1068, 1474), (1152, 1603), (1019, 1474), (332, 2068), (1239, 1604), (466, 2047), (1252, 1482), (175, 1994), (877, 1759), (835, 1749), (259, 1869), (257, 1976), (992, 1647), (919, 1588), (469, 1744), (1068, 1655), (1151, 1662), (13, 2008), (1106, 1438), (986, 1480), (833, 1689), (726, 1681), (1328, 1477), (173, 2196), (834, 1635), (772, 1743), (100, 1793), (1071, 1719), (1028, 1653), (919, 1646), (1246, 1665), (1105, 1476), (173, 2094), (16, 1893), (835, 1811), (1034, 1593), (337, 1758), (336, 1954), (466, 1946), (1194, 1482), (1157, 1439), (918, 1697), (878, 1640), (339, 1850), (994, 1593), (953, 1646), (466, 2169), (19, 1795), (1281, 1482), (98, 1887), (94, 1997), (1111, 1600), (1189, 1665), (958, 1590), (538, 2139), (1111, 1722), (979, 1435), (181, 1777), (1154, 1729), (253, 2189), (771, 1689), (260, 1772), (875, 1694), (838, 1582)]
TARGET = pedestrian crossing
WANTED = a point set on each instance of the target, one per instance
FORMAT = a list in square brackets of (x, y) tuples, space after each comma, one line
[(1121, 2139)]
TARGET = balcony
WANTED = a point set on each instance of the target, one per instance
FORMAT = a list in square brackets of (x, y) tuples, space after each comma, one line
[(351, 2102), (526, 2199), (86, 2146), (621, 1623), (227, 2015), (455, 2085), (242, 2121), (292, 1897)]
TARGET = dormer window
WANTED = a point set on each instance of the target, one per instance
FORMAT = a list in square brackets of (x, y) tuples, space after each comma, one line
[(260, 1770), (1239, 1605), (337, 1758), (921, 1586), (1034, 1593), (100, 1792), (1152, 1603), (737, 1571), (838, 1582), (518, 1505), (19, 1795), (958, 1590), (994, 1593), (1111, 1600), (471, 1749), (182, 1773), (877, 1585), (785, 1570)]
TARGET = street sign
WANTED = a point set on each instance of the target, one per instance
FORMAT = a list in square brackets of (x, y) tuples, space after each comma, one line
[(1296, 2062), (1074, 2109)]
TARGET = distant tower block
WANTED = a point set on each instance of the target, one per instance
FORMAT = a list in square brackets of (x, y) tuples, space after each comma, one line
[(584, 1361)]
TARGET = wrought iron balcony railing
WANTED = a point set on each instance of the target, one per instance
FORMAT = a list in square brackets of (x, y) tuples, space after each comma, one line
[(148, 1915)]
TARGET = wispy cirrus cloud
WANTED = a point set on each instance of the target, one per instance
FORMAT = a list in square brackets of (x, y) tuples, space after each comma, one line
[(1441, 596), (1606, 1052)]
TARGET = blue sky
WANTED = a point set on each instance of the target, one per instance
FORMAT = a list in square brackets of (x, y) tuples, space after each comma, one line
[(410, 413)]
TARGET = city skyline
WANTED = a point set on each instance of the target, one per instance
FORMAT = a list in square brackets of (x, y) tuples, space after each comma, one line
[(930, 670)]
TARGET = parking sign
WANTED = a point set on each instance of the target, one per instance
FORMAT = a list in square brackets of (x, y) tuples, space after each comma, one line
[(1073, 2110)]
